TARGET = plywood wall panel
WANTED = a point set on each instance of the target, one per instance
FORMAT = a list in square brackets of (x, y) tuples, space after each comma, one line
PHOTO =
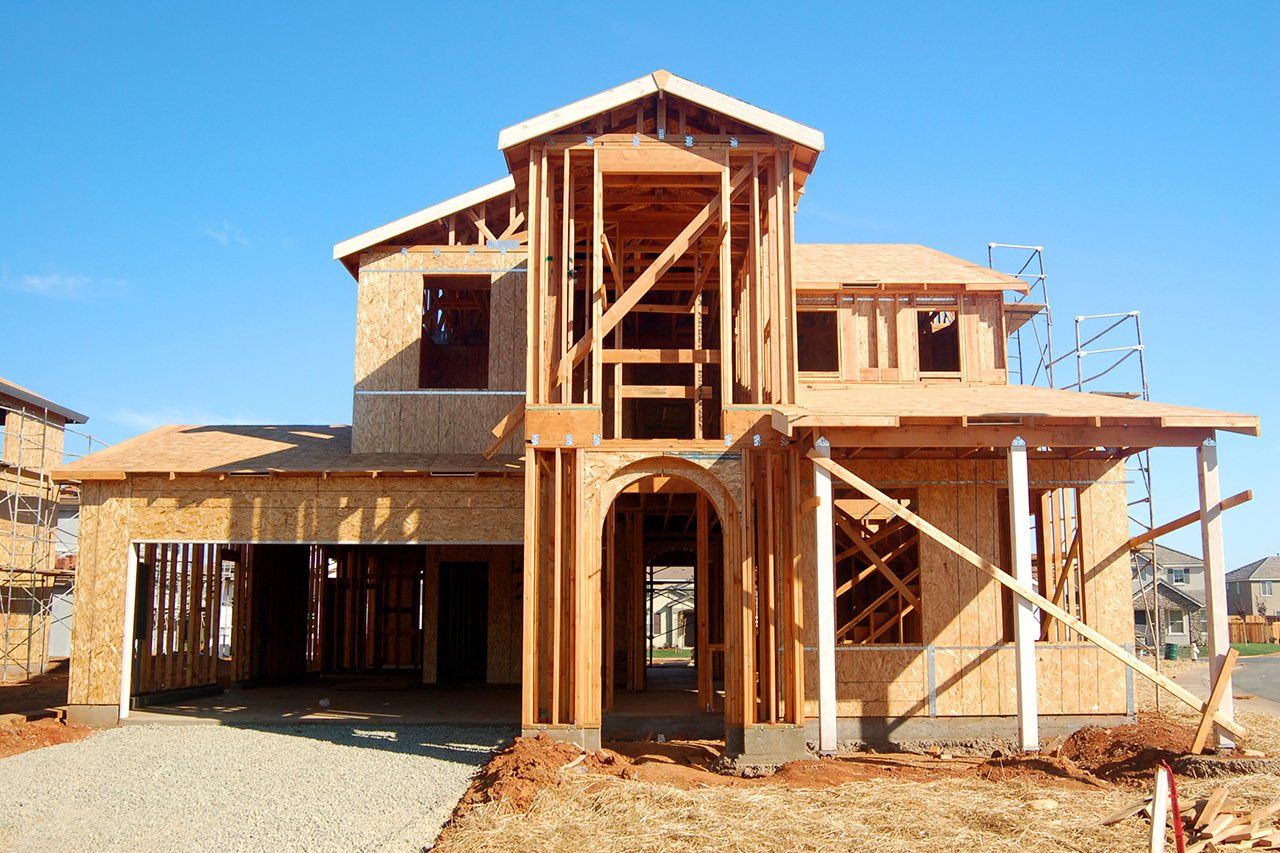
[(962, 609), (388, 354)]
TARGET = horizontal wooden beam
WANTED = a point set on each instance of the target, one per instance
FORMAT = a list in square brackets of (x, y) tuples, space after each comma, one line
[(1002, 436), (1024, 592), (661, 356), (665, 392)]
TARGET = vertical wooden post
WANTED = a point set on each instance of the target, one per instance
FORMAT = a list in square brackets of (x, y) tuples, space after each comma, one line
[(557, 587), (529, 637), (702, 611), (126, 649), (1215, 576), (826, 594), (726, 295), (533, 299), (1024, 626), (597, 278), (755, 324), (586, 568), (610, 603)]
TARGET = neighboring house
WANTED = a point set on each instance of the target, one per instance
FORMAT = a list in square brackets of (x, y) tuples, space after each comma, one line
[(616, 347), (1254, 590), (1183, 618), (671, 607)]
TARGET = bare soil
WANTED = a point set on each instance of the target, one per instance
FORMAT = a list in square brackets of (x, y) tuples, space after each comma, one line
[(22, 737), (39, 699), (525, 784)]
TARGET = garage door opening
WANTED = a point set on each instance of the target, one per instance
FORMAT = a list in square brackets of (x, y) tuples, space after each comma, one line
[(259, 632)]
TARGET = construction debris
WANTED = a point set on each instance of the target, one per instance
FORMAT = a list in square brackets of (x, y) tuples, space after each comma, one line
[(1215, 823)]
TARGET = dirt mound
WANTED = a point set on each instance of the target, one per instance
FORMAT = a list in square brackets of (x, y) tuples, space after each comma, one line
[(22, 737), (516, 774), (1128, 755), (1041, 769)]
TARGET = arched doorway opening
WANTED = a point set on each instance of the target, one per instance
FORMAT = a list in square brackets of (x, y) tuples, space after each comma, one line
[(662, 590)]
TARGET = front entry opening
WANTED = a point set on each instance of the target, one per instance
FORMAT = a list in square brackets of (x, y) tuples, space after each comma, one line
[(663, 613)]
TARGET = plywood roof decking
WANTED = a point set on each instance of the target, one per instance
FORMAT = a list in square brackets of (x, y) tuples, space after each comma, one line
[(888, 264), (649, 84), (283, 449), (876, 405)]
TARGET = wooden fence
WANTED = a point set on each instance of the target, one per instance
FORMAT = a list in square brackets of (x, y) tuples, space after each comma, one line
[(1253, 629)]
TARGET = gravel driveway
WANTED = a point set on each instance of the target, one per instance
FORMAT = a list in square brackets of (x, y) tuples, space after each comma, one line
[(184, 787)]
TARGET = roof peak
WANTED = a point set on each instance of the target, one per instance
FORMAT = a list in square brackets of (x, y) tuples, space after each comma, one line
[(660, 80)]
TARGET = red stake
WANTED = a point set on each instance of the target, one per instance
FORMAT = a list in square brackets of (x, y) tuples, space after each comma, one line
[(1179, 840)]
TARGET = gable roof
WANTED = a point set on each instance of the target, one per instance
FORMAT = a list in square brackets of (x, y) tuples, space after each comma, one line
[(649, 84), (35, 401), (354, 245), (888, 264), (1188, 596), (1168, 558), (1266, 569)]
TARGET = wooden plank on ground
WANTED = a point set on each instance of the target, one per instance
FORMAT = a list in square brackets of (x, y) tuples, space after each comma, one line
[(1215, 699)]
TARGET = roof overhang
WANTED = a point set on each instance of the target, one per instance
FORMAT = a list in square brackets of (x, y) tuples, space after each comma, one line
[(35, 401), (348, 250), (946, 415), (649, 84)]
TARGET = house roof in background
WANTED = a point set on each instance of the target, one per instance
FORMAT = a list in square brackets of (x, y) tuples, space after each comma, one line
[(1266, 569), (1188, 596), (1169, 558), (31, 398)]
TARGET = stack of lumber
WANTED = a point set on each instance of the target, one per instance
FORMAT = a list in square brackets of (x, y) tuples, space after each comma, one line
[(1214, 823)]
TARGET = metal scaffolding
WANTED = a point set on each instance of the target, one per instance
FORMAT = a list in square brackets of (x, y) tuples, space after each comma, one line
[(39, 522), (1030, 349)]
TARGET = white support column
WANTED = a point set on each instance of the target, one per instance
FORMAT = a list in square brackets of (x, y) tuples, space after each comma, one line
[(826, 588), (1215, 575), (1025, 629), (126, 648)]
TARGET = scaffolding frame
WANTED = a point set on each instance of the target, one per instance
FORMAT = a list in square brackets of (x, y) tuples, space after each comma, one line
[(39, 525), (1039, 328)]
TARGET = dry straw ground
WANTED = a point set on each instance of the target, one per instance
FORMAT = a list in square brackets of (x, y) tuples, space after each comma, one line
[(599, 811)]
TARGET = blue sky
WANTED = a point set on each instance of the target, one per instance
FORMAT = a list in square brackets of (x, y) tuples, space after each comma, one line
[(174, 177)]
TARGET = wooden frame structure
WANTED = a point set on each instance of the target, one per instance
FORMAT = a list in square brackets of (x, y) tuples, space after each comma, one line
[(862, 533)]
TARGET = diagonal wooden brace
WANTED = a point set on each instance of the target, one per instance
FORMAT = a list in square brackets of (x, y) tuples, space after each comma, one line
[(1026, 593)]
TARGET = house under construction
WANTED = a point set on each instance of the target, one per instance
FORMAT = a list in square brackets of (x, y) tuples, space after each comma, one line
[(615, 352)]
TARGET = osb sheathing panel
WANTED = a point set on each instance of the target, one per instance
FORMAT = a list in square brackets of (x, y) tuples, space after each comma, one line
[(286, 509), (430, 423), (961, 607), (388, 350)]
